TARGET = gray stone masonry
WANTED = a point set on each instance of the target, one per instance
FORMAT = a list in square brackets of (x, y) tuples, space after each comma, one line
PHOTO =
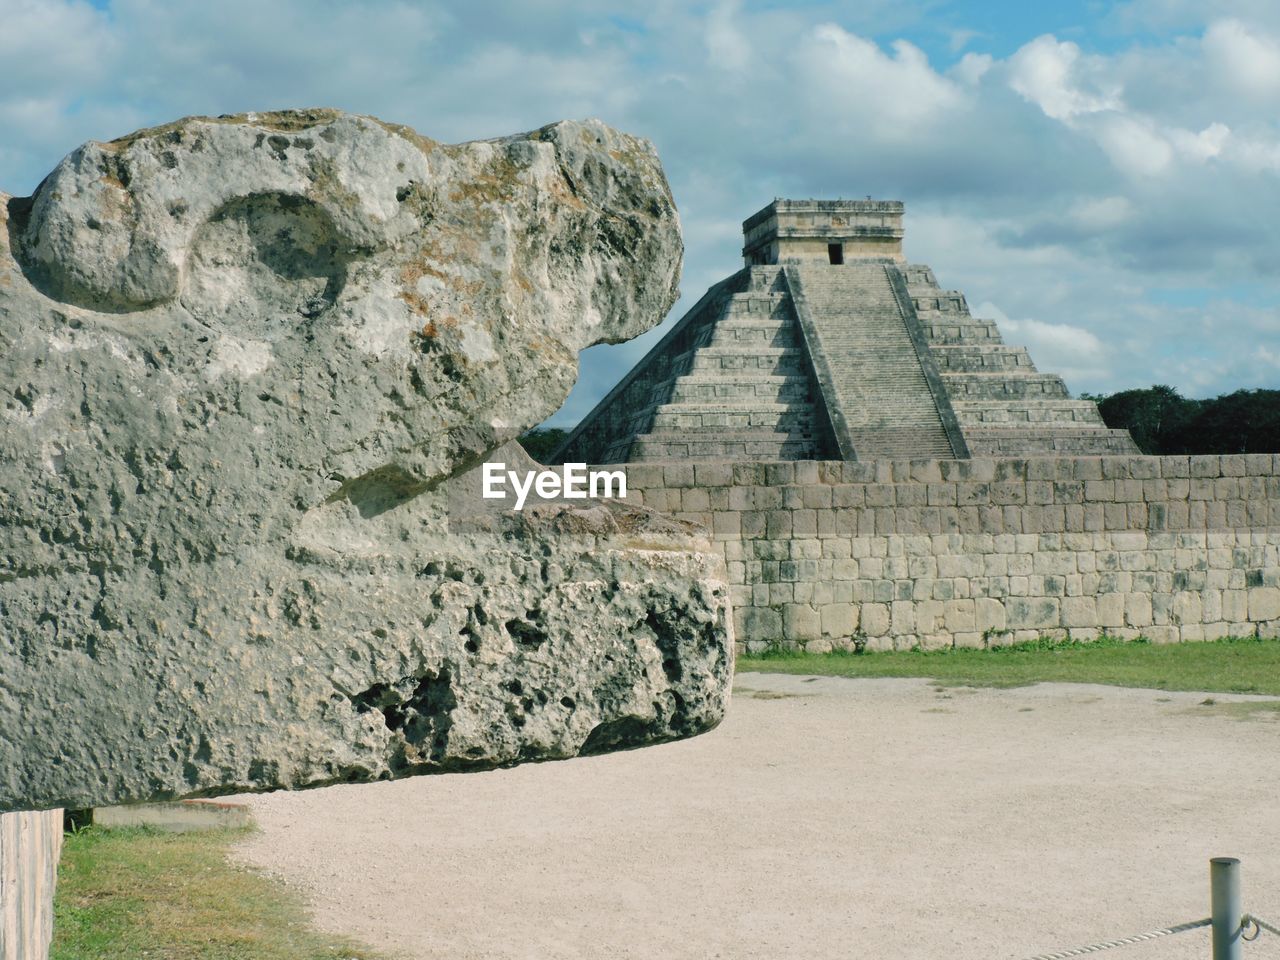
[(789, 230), (899, 553)]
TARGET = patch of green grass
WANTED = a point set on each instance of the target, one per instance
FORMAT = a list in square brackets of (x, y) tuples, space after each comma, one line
[(1230, 665), (138, 893)]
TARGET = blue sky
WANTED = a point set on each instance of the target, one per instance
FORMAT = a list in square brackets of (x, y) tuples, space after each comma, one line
[(1103, 179)]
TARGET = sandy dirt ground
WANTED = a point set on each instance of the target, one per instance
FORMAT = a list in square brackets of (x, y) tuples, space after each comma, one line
[(826, 818)]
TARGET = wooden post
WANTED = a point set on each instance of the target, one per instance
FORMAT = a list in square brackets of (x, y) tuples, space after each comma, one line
[(30, 844)]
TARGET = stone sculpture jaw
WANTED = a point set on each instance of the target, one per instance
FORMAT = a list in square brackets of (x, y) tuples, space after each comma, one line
[(243, 355)]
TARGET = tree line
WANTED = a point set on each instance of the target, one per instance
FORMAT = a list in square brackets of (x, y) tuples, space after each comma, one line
[(541, 442), (1162, 421)]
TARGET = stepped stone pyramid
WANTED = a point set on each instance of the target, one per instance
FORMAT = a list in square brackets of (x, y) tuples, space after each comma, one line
[(828, 345)]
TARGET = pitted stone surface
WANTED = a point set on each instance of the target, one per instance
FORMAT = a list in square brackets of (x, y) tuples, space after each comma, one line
[(240, 358)]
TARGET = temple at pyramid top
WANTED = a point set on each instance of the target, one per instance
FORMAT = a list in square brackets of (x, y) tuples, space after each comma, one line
[(829, 345), (828, 231)]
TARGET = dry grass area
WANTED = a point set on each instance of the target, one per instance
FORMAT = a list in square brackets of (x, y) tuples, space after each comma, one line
[(135, 893)]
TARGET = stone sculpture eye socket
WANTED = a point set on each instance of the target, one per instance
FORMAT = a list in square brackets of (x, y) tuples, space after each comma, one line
[(274, 257)]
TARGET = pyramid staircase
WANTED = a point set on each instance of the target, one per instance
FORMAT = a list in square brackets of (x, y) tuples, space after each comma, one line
[(743, 390), (1004, 405), (881, 376)]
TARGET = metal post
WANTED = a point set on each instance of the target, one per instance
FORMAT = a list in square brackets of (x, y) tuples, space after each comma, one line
[(1227, 908)]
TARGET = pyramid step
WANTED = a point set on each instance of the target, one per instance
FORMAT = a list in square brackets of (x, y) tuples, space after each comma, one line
[(685, 422), (967, 358), (919, 274), (740, 390), (720, 376), (779, 361), (775, 409), (1083, 430), (648, 447), (765, 279), (764, 307), (703, 416), (757, 433), (786, 392), (763, 334), (758, 298), (1016, 413), (994, 386), (899, 443), (950, 331), (749, 350), (744, 366), (1066, 442), (931, 301), (735, 320)]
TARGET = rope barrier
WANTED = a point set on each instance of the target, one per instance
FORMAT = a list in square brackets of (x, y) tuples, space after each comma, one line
[(1228, 932), (1258, 922), (1245, 921), (1123, 941)]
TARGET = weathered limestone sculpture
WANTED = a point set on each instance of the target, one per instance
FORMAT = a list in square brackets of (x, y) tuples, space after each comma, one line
[(240, 360)]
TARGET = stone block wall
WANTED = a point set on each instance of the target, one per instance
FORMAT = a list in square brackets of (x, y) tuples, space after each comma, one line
[(973, 552)]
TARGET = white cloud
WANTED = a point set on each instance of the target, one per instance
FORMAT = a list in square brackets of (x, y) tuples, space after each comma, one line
[(1048, 73), (852, 79), (1076, 354), (957, 40), (989, 311), (1134, 145), (1257, 156), (1085, 95), (972, 68), (55, 45), (1202, 146), (1060, 340), (1247, 58), (1101, 213), (726, 45)]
